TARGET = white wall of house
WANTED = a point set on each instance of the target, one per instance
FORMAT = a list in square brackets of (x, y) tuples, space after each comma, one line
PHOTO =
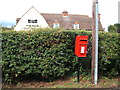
[(31, 19)]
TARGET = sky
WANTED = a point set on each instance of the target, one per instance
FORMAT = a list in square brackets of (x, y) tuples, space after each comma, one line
[(12, 9)]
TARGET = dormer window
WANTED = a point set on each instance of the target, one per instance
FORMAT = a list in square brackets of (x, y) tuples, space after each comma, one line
[(56, 24), (76, 25)]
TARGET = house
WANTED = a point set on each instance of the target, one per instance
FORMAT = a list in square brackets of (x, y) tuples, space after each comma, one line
[(33, 19)]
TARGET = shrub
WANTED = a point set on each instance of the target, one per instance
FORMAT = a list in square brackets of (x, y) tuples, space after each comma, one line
[(109, 56), (49, 54)]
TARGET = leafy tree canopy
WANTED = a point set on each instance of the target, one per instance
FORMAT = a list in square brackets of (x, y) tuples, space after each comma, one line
[(114, 28)]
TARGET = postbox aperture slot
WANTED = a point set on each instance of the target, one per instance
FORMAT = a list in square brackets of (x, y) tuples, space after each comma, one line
[(83, 40)]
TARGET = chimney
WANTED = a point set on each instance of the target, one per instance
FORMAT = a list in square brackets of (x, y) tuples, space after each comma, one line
[(99, 16), (65, 13)]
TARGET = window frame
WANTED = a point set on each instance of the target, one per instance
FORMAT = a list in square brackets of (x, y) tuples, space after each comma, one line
[(56, 25), (76, 26)]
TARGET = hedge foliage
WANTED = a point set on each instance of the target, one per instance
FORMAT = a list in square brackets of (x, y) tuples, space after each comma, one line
[(49, 54)]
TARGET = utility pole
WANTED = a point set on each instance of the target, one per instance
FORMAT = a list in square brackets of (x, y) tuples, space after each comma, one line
[(0, 57), (119, 12), (94, 68)]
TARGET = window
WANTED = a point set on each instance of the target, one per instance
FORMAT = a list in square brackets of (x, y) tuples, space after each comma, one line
[(35, 21), (76, 26), (29, 21), (32, 21), (56, 25)]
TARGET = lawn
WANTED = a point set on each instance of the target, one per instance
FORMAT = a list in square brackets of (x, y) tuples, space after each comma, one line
[(70, 82)]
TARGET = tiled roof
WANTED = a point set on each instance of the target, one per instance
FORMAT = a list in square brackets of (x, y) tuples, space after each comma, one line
[(67, 22)]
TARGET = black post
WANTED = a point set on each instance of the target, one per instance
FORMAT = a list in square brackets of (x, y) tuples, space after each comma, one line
[(78, 71)]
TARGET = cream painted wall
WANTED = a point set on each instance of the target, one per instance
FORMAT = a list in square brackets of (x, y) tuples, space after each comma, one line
[(31, 14)]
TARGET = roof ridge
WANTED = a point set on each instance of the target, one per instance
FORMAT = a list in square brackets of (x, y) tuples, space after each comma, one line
[(80, 15), (68, 14), (50, 13)]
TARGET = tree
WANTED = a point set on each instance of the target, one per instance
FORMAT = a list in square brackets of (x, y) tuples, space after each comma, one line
[(6, 28), (114, 28), (118, 27)]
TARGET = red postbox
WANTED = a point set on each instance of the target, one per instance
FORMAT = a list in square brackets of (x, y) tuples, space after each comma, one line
[(81, 46)]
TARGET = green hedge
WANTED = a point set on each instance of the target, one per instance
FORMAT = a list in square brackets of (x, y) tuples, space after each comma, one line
[(49, 54)]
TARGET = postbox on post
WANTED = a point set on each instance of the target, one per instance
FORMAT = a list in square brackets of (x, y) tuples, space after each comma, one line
[(80, 50), (81, 46)]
